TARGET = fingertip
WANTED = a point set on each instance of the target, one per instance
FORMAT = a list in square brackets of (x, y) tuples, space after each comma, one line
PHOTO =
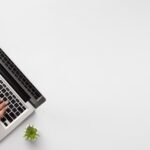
[(6, 102)]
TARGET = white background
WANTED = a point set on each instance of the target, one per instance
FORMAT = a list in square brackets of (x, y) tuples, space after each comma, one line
[(91, 60)]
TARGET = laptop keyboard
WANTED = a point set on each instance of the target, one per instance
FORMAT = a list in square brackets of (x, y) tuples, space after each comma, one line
[(15, 106)]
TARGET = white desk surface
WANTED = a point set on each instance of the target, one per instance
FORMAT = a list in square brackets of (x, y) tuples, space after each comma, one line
[(91, 60)]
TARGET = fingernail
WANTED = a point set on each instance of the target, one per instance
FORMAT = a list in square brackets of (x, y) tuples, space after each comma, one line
[(6, 102)]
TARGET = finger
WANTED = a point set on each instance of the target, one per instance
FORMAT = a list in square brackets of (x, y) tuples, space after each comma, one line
[(1, 100), (3, 104), (2, 112)]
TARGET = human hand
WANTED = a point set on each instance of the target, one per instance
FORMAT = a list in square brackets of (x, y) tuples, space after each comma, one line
[(3, 107)]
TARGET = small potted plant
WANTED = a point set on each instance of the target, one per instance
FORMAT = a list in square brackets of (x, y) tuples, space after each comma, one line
[(31, 133)]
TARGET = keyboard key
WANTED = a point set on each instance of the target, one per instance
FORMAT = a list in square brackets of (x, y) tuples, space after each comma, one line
[(12, 115), (16, 105), (23, 108), (5, 124), (1, 95), (8, 110), (11, 106), (5, 99), (7, 89), (8, 117), (20, 109), (3, 119), (10, 93), (9, 97), (17, 113), (20, 104), (3, 90), (13, 101), (14, 96), (6, 93), (14, 109)]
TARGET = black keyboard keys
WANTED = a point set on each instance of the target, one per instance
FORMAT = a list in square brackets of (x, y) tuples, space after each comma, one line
[(3, 119), (14, 110), (11, 106), (9, 97), (20, 109), (8, 110), (5, 124), (12, 115), (6, 94), (15, 106), (5, 99), (17, 113), (8, 118)]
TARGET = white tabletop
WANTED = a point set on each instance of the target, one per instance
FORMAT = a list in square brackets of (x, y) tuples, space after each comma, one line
[(91, 60)]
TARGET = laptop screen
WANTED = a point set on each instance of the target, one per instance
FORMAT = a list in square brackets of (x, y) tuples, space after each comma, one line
[(14, 84)]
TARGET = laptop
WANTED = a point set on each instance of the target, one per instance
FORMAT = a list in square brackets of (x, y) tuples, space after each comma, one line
[(22, 96)]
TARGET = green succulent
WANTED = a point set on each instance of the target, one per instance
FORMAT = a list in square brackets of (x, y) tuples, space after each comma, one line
[(31, 133)]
